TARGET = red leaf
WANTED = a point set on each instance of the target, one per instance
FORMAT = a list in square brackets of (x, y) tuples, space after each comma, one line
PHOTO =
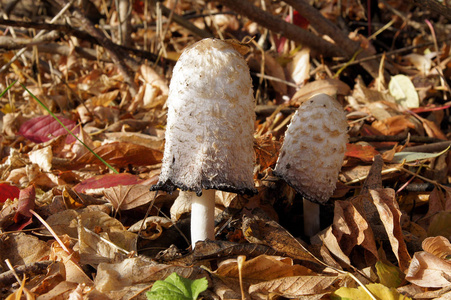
[(26, 202), (364, 153), (106, 181), (8, 192), (44, 128)]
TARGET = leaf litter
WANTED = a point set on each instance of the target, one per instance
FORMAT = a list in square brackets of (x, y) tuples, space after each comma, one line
[(384, 233)]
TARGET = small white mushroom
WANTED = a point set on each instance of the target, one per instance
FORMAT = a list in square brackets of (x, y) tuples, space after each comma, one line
[(209, 133), (312, 154)]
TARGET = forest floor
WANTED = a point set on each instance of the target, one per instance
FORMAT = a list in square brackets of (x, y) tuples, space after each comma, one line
[(73, 226)]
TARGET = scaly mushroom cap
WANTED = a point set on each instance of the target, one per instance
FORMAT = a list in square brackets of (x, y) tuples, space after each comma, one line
[(210, 125), (313, 150)]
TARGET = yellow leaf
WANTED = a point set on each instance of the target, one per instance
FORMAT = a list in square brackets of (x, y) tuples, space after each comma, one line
[(378, 290), (389, 275)]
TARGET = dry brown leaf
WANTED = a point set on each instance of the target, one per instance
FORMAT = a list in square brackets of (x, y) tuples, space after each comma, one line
[(154, 79), (351, 229), (22, 249), (332, 244), (122, 154), (272, 234), (390, 215), (428, 270), (295, 286), (63, 222), (438, 246), (181, 205), (102, 238), (432, 129), (104, 99), (394, 125), (331, 87), (132, 271), (263, 267), (369, 96), (129, 196), (151, 228)]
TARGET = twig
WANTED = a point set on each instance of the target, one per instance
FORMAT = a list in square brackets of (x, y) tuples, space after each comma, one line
[(185, 23), (393, 138), (434, 147), (290, 31), (324, 26), (117, 55), (8, 278), (40, 33), (11, 43), (434, 6)]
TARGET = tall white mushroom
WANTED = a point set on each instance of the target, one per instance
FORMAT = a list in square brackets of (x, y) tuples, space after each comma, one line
[(209, 133), (312, 154)]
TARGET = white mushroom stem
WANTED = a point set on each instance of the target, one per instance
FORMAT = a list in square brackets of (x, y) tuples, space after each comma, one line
[(311, 218), (202, 216)]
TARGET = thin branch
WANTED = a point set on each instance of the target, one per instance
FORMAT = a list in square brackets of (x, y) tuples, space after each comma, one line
[(324, 26), (290, 31), (67, 29), (434, 6)]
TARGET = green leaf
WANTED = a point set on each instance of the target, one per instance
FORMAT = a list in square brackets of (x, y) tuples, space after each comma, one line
[(175, 287), (378, 290), (414, 156), (403, 90), (389, 275)]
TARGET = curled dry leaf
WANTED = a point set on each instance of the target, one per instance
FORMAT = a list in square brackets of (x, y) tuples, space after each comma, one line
[(270, 233), (263, 267), (390, 215), (153, 78), (43, 158), (351, 229), (299, 67), (438, 246), (181, 205), (428, 270), (331, 87)]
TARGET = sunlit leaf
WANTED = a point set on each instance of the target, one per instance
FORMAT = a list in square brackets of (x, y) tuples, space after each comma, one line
[(378, 290), (403, 90), (175, 287)]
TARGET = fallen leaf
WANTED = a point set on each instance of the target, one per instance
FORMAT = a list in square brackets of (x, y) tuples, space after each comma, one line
[(44, 128), (403, 90), (377, 289), (8, 191), (428, 270), (295, 286)]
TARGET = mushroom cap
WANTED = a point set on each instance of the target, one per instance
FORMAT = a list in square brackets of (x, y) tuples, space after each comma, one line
[(313, 150), (210, 123)]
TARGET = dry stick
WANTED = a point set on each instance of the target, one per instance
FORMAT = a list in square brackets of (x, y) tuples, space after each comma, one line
[(185, 23), (290, 31), (79, 34), (435, 6), (117, 55), (394, 138), (64, 8), (11, 43), (324, 26)]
